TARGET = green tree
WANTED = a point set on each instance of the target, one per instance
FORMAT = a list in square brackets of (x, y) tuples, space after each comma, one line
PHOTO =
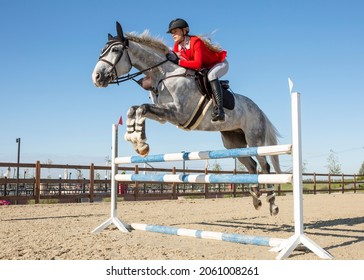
[(216, 166), (333, 165), (240, 166), (361, 170)]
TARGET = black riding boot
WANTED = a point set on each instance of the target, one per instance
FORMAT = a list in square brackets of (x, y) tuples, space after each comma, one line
[(218, 110)]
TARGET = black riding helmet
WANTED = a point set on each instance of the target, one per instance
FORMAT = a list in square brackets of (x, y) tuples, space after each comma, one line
[(177, 23)]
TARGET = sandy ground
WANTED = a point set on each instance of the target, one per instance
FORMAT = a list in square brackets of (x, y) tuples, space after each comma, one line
[(63, 231)]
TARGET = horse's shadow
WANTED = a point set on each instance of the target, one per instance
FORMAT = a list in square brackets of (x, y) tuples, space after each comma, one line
[(336, 228)]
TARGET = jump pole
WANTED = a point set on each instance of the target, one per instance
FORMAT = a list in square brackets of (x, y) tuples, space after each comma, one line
[(203, 155), (207, 179), (227, 237)]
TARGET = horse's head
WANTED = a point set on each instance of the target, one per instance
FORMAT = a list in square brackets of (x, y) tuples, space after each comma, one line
[(113, 61)]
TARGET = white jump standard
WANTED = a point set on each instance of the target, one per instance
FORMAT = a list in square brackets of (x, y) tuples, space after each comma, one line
[(284, 246)]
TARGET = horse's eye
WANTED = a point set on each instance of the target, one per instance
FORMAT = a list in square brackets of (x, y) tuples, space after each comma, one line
[(116, 49)]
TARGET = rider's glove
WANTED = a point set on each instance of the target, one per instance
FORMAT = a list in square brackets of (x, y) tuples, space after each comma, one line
[(173, 57)]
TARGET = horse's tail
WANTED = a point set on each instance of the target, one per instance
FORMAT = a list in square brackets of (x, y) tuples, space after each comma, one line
[(271, 135)]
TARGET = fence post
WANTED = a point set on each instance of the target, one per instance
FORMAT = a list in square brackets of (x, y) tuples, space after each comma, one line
[(329, 186), (234, 185), (174, 185), (279, 190), (5, 183), (37, 183), (314, 183), (136, 186), (92, 182), (342, 183), (60, 186), (354, 183), (206, 186)]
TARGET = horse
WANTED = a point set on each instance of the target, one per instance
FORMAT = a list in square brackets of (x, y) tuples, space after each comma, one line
[(178, 99)]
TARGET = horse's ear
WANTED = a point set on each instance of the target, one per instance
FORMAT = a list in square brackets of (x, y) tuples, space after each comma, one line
[(109, 37), (120, 32)]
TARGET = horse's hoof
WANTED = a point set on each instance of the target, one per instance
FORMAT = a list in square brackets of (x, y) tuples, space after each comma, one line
[(143, 150), (255, 193), (274, 210), (257, 203)]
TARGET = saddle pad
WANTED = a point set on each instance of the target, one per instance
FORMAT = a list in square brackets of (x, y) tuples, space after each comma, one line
[(228, 100)]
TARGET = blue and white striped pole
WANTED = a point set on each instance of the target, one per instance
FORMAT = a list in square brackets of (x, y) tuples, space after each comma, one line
[(228, 237), (218, 154), (205, 179)]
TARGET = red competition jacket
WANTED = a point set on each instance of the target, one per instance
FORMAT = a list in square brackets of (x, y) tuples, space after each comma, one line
[(197, 56)]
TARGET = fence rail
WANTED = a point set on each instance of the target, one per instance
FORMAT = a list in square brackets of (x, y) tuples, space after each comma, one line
[(38, 187)]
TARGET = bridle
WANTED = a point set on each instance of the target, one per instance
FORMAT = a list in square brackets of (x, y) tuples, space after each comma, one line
[(125, 46)]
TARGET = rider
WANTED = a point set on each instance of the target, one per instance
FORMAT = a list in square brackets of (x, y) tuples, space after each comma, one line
[(195, 53)]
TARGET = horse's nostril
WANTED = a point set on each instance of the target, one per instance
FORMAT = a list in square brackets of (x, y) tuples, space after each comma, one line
[(97, 76)]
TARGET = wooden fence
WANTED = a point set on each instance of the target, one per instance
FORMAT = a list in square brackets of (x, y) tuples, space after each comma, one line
[(39, 188)]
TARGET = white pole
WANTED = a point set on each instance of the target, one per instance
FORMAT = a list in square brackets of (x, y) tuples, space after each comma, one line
[(299, 237), (297, 162), (114, 154), (122, 226)]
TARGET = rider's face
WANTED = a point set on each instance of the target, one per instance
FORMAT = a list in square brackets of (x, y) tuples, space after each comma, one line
[(177, 35)]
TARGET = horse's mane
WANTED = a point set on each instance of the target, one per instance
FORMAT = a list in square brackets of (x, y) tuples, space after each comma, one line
[(147, 39), (158, 43)]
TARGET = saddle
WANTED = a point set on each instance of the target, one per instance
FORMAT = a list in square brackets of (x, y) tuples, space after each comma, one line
[(205, 88), (205, 101)]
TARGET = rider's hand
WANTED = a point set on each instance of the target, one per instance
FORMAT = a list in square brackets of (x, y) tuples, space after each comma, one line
[(173, 57)]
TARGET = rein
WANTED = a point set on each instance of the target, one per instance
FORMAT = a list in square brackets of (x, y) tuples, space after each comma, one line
[(175, 76), (128, 77)]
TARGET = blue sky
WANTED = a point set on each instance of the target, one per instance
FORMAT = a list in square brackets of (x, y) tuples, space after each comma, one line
[(49, 50)]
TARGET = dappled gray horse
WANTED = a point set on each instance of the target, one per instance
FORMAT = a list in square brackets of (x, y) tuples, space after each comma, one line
[(177, 99)]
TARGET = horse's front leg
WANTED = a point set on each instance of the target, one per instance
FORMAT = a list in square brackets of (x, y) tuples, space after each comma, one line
[(150, 111), (141, 147), (130, 127)]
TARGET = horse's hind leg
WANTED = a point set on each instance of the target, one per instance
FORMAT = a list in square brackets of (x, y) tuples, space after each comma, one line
[(254, 191), (236, 139), (273, 208)]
